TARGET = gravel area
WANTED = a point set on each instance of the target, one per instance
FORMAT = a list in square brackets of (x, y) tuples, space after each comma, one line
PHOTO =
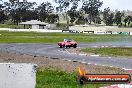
[(77, 51), (45, 62)]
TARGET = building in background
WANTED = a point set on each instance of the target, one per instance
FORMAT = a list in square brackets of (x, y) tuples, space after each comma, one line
[(35, 24)]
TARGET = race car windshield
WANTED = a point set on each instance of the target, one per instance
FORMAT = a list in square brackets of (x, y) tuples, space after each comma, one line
[(68, 40)]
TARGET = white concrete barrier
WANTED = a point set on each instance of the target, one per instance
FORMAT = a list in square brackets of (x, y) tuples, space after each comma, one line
[(100, 29), (17, 75), (29, 30)]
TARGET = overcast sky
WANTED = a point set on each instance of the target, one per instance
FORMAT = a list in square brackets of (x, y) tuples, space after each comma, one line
[(113, 4)]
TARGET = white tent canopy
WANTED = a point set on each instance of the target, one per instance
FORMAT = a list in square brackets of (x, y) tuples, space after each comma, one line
[(33, 22)]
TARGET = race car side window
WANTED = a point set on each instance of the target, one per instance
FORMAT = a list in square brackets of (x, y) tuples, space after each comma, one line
[(64, 40)]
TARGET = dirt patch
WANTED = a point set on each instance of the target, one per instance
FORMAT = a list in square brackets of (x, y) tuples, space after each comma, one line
[(45, 62)]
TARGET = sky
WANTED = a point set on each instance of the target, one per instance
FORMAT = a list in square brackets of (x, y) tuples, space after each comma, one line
[(113, 4), (118, 4)]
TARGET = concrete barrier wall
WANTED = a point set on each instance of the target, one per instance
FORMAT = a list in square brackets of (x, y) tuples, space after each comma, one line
[(101, 28), (78, 28), (29, 30), (96, 30), (17, 75)]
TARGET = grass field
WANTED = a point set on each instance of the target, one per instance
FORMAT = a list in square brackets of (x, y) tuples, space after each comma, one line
[(118, 51), (32, 37), (50, 78)]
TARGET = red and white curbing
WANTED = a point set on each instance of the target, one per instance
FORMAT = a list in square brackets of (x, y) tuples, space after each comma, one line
[(128, 70), (119, 86)]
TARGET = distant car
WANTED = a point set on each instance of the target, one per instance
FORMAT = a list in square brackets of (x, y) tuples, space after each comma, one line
[(67, 43)]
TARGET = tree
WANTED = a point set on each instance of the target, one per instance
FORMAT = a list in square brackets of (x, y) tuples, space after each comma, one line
[(108, 17), (91, 7), (74, 5), (52, 18), (128, 19), (29, 15), (3, 16), (81, 19), (11, 8), (20, 11), (125, 20), (98, 20), (73, 13), (63, 5), (44, 9), (118, 18), (26, 9)]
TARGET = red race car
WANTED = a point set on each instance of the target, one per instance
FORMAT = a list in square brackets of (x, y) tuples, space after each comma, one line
[(67, 43)]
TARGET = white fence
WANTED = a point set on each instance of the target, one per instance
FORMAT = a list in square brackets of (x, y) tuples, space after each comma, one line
[(29, 30)]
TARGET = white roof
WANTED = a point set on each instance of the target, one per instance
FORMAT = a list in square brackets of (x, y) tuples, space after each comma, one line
[(33, 22)]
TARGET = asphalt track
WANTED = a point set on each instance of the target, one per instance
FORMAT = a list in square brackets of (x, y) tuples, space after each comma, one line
[(53, 51)]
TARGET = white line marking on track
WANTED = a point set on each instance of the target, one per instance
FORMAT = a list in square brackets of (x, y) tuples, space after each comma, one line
[(83, 54), (94, 55), (95, 46), (78, 47), (69, 60), (84, 62)]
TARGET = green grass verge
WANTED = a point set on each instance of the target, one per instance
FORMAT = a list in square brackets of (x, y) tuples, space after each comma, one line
[(118, 51), (32, 37), (50, 78)]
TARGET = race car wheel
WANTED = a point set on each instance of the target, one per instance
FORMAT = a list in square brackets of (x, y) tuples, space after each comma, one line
[(67, 46), (60, 46), (75, 46)]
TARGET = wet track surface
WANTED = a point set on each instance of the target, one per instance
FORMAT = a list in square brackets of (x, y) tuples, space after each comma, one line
[(53, 51)]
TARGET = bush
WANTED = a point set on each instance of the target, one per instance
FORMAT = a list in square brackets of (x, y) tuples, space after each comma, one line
[(61, 25), (130, 25), (78, 22)]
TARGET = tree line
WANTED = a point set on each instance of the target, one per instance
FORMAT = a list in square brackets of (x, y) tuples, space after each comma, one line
[(16, 11)]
